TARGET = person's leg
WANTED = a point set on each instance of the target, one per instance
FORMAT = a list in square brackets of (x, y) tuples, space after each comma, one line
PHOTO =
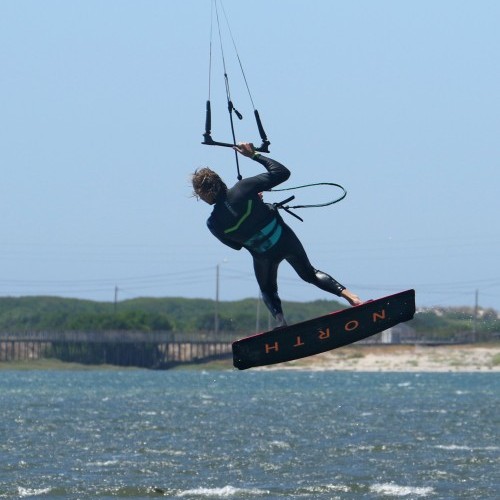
[(297, 257), (266, 272)]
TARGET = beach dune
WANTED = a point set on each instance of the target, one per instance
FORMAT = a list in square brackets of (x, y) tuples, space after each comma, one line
[(405, 358)]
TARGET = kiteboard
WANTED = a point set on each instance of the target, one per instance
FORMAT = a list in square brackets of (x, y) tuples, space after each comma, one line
[(324, 333)]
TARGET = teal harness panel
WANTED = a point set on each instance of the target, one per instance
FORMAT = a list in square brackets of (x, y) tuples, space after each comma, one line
[(266, 238)]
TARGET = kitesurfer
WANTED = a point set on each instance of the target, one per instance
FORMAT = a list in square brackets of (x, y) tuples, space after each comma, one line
[(241, 219)]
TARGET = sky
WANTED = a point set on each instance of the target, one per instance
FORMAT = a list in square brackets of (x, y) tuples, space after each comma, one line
[(102, 111)]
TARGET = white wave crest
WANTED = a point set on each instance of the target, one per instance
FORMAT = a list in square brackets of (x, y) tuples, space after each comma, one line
[(400, 491), (31, 492), (224, 492), (452, 447)]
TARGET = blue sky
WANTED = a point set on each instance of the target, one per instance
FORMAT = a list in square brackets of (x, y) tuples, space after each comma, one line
[(101, 121)]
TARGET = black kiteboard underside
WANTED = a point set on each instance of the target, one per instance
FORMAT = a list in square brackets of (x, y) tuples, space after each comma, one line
[(324, 333)]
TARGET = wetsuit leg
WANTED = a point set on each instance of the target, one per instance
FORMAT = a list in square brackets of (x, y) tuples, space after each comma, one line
[(266, 272), (296, 256)]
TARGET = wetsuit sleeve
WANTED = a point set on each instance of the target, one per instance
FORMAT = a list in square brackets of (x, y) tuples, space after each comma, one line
[(232, 244), (276, 174)]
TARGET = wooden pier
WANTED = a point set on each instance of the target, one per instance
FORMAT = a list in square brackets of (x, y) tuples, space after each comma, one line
[(155, 350)]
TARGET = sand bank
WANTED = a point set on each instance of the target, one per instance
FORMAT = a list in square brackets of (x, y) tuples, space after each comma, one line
[(405, 358)]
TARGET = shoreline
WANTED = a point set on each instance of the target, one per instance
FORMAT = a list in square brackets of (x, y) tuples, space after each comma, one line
[(484, 358)]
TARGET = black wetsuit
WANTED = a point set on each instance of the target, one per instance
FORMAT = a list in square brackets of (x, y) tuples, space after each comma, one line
[(241, 219)]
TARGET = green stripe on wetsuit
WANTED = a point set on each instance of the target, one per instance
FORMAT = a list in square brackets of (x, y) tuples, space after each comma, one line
[(243, 218)]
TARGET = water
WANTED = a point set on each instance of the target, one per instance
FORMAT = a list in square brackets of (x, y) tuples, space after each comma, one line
[(249, 435)]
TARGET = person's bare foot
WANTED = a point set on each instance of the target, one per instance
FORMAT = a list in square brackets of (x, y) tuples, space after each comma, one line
[(352, 298)]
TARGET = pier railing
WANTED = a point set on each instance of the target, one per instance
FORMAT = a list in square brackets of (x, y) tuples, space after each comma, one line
[(124, 348), (158, 350)]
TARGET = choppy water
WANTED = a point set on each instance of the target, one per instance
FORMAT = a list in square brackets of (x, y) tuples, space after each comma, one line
[(249, 435)]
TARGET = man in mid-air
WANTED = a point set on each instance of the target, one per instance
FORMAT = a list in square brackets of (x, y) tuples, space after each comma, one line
[(240, 219)]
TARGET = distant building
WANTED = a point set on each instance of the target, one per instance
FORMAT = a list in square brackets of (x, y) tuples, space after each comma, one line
[(399, 334)]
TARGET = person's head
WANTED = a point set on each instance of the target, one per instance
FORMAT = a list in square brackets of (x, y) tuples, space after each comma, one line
[(207, 185)]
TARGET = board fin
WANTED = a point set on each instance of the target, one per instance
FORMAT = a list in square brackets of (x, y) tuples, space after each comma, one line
[(324, 333)]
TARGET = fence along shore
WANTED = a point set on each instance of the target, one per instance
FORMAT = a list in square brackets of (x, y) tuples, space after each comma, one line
[(122, 348)]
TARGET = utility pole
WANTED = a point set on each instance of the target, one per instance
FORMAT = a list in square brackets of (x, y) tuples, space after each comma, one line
[(116, 299), (257, 315), (476, 314), (216, 314), (216, 317)]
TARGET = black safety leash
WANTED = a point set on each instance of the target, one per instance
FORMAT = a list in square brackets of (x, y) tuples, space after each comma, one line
[(288, 209)]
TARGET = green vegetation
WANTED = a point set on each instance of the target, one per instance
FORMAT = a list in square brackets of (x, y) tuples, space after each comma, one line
[(144, 314), (457, 322), (495, 361), (52, 313), (191, 315)]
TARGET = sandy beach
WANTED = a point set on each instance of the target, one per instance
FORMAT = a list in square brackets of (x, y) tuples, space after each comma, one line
[(404, 358)]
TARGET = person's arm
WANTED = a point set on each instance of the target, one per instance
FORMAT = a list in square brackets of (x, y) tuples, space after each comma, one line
[(276, 172)]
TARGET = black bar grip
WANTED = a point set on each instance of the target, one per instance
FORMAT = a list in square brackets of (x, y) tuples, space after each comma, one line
[(208, 119), (264, 147), (210, 142), (262, 133), (207, 137)]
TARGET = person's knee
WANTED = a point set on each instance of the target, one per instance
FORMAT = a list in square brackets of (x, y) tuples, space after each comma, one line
[(306, 272), (310, 276)]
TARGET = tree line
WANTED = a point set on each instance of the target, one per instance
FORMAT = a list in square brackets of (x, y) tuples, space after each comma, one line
[(20, 314)]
